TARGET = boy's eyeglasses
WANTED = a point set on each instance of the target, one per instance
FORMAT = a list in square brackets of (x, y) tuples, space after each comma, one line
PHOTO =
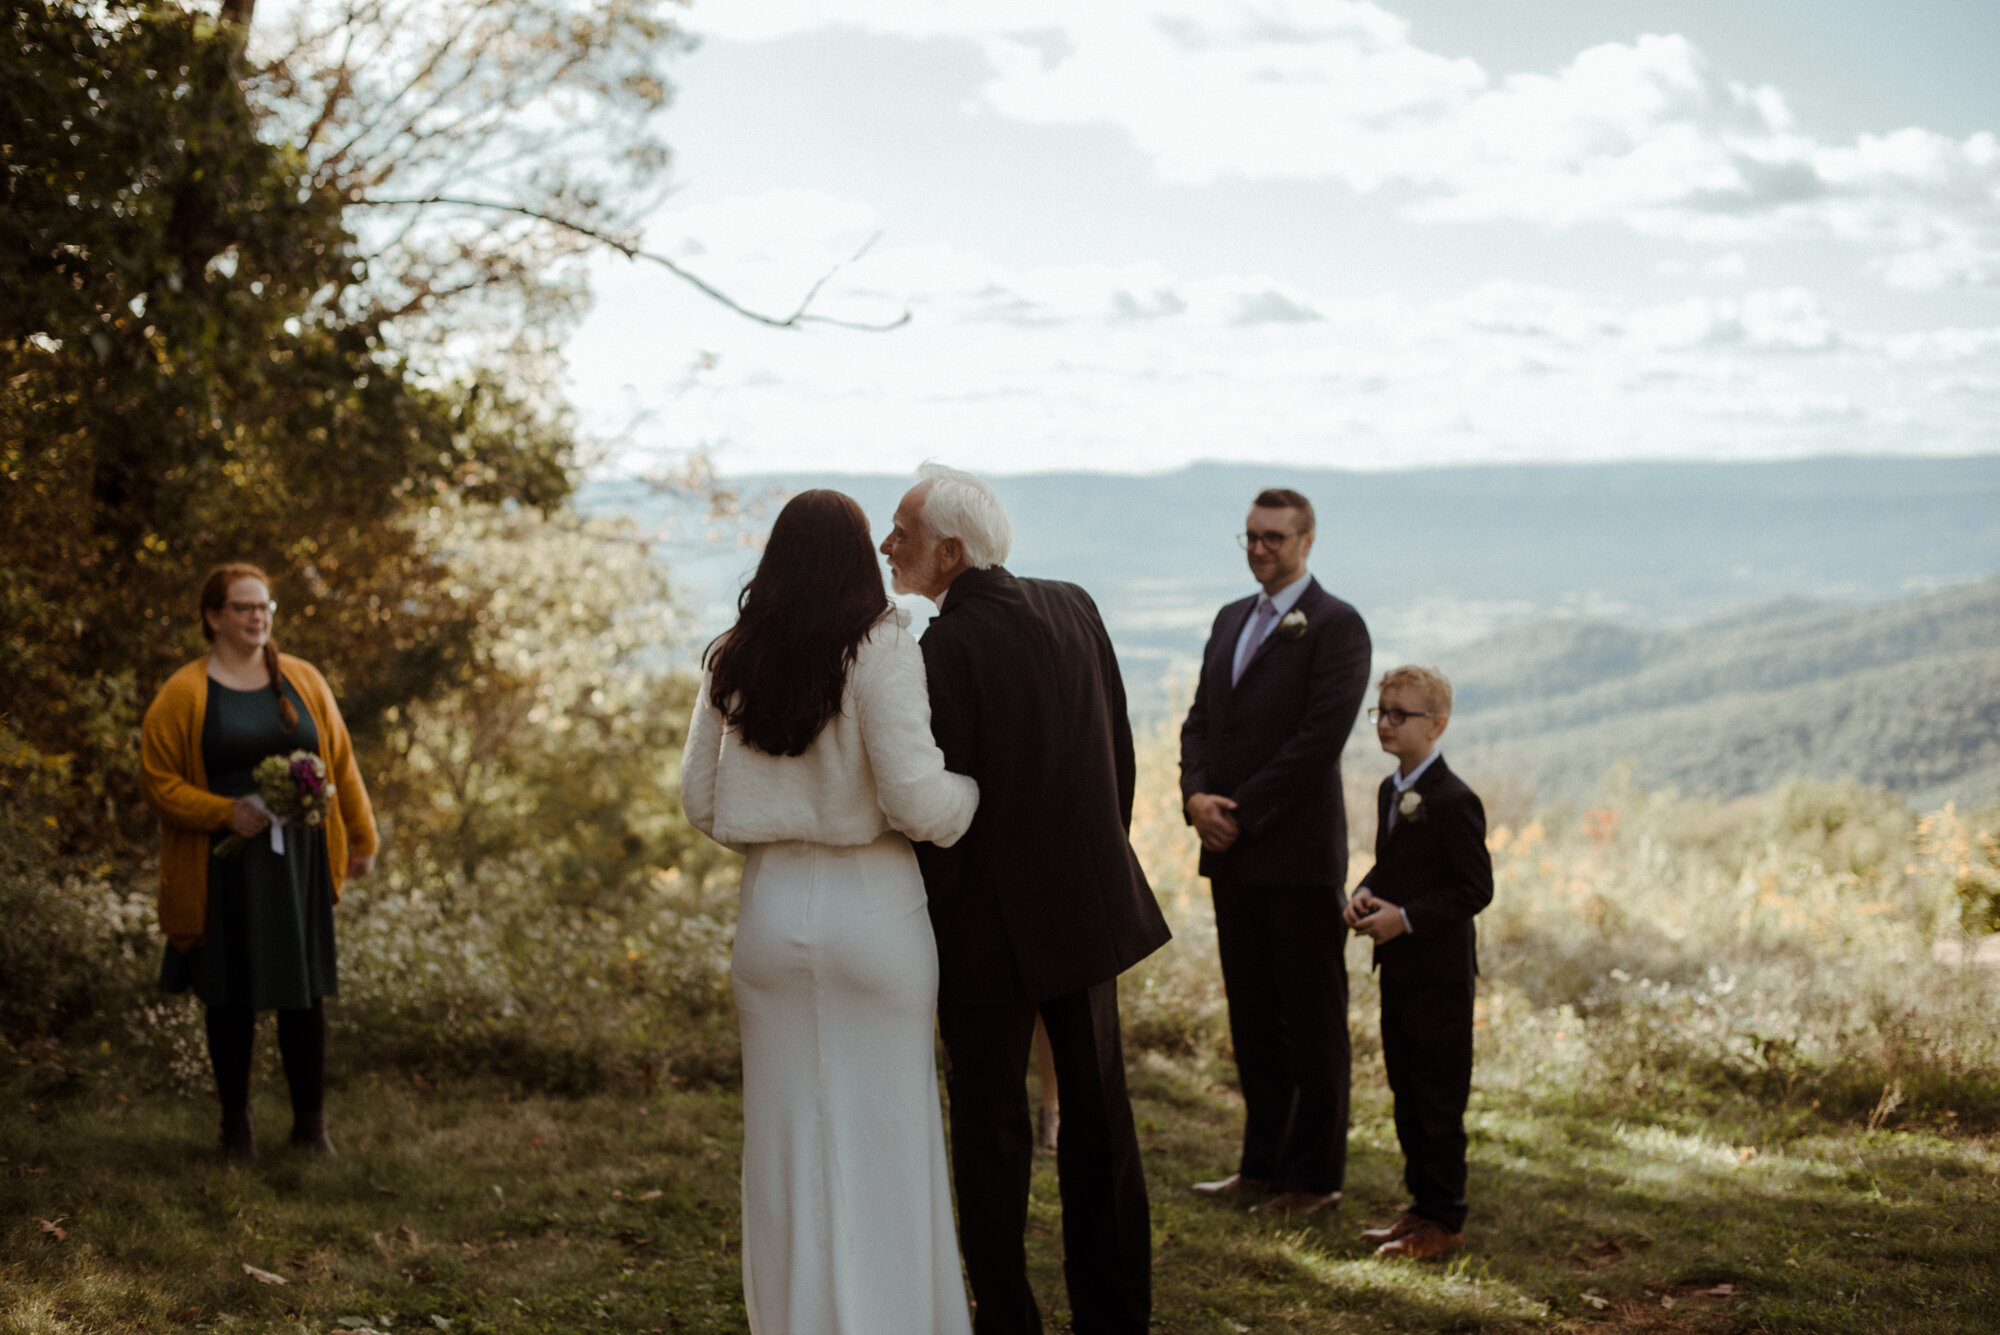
[(1397, 717), (1273, 540)]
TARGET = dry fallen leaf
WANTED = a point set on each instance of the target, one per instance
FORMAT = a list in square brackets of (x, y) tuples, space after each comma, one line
[(51, 1227), (1793, 1264), (1595, 1301), (1609, 1252), (652, 1195), (1721, 1291), (263, 1276), (1667, 1303)]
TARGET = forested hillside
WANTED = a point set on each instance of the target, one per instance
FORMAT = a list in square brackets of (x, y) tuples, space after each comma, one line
[(1904, 695)]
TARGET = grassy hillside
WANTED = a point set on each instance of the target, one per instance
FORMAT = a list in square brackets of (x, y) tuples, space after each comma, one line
[(1904, 696)]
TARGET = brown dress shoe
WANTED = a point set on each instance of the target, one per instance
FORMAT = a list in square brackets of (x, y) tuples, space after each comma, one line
[(1234, 1185), (1403, 1227), (1297, 1203), (1426, 1242)]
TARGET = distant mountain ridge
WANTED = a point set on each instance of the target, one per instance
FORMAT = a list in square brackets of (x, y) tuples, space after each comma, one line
[(1904, 696), (1438, 556), (1723, 626)]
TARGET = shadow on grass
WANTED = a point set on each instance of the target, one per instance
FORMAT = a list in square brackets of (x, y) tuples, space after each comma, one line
[(1645, 1209)]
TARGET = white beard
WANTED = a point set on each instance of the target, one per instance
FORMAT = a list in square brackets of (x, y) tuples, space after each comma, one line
[(918, 580)]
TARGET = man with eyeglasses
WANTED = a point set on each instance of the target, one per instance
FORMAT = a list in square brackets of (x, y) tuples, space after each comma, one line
[(1282, 680)]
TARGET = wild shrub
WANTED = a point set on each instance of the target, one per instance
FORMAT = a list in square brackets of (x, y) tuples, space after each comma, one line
[(1808, 944)]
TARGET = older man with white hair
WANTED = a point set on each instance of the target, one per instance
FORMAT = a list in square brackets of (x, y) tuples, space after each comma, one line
[(1037, 909)]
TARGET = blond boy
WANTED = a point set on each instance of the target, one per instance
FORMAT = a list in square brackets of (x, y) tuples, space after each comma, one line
[(1432, 875)]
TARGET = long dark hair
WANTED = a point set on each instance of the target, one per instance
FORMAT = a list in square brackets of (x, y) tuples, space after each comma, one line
[(214, 593), (777, 676)]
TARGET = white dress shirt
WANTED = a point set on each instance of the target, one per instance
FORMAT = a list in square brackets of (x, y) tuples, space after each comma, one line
[(1403, 783)]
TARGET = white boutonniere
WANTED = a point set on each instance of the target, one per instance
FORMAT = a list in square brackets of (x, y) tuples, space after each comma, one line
[(1410, 806), (1290, 626)]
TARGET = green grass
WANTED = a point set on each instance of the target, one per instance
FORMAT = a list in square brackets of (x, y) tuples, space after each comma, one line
[(495, 1211)]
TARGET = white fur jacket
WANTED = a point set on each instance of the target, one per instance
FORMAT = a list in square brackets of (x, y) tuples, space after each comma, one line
[(873, 768)]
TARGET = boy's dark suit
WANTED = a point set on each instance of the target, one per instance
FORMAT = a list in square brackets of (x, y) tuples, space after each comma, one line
[(1271, 742), (1432, 863), (1038, 909)]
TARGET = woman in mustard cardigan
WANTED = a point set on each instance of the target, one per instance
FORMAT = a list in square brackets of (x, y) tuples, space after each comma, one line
[(252, 930)]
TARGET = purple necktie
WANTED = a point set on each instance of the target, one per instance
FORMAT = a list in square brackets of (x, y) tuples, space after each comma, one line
[(1260, 623)]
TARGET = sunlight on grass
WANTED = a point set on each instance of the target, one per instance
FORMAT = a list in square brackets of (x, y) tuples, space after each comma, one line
[(1444, 1296), (1674, 1152)]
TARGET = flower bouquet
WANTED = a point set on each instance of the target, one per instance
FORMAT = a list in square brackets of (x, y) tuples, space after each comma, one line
[(291, 790)]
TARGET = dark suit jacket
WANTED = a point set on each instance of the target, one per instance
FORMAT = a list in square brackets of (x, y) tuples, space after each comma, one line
[(1435, 867), (1273, 740), (1043, 896)]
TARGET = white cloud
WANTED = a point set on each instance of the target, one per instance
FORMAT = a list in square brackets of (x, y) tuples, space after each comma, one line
[(1643, 134), (1786, 320), (1141, 367), (768, 249)]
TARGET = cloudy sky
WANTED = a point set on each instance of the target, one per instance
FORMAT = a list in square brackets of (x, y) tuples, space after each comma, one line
[(1136, 233)]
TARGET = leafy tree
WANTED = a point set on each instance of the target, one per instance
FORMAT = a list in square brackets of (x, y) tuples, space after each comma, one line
[(203, 356), (552, 749), (187, 376), (482, 148)]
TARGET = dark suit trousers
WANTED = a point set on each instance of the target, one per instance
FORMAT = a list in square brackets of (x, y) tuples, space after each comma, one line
[(1427, 1048), (1284, 968), (1107, 1237)]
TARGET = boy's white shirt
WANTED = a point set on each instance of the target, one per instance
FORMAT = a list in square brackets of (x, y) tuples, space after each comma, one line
[(1403, 785)]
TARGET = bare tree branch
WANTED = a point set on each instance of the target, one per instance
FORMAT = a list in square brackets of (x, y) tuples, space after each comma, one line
[(799, 316)]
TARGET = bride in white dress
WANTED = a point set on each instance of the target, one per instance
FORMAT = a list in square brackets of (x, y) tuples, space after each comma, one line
[(810, 750)]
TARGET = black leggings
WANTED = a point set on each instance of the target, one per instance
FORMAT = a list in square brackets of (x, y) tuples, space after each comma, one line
[(301, 1043)]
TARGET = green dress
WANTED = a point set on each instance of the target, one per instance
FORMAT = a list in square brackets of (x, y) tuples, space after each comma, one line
[(270, 915)]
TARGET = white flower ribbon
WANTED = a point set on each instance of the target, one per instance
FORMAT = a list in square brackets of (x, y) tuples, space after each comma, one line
[(278, 823)]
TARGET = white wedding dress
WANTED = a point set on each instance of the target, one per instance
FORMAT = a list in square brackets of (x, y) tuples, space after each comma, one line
[(847, 1224)]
